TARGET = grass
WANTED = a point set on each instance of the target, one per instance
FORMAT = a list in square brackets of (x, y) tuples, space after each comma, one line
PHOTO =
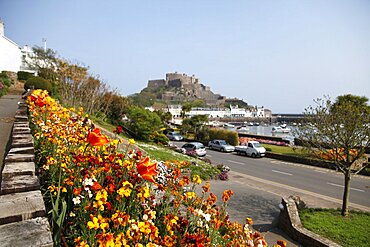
[(286, 150), (198, 167), (353, 230)]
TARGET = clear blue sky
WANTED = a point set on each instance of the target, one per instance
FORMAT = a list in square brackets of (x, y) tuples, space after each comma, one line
[(277, 54)]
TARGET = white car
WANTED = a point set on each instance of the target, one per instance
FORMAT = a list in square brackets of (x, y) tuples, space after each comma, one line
[(251, 148), (194, 148)]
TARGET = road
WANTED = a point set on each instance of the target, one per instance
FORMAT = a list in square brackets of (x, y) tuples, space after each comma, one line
[(316, 182)]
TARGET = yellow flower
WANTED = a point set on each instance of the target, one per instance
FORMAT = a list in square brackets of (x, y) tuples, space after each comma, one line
[(93, 224), (102, 195), (196, 179), (144, 227), (125, 190), (190, 195), (131, 141)]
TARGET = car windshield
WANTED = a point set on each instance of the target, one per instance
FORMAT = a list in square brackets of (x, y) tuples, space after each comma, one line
[(257, 145), (223, 142), (198, 145)]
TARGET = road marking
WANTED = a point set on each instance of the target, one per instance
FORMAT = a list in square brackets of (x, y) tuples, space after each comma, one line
[(320, 171), (297, 190), (236, 162), (338, 185), (285, 173)]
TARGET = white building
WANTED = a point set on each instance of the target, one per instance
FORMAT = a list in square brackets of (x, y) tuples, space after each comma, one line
[(11, 54), (232, 112)]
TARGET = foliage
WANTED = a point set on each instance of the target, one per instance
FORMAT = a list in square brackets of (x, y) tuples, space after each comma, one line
[(143, 99), (44, 62), (165, 116), (339, 130), (229, 136), (23, 75), (144, 123), (5, 83), (118, 198), (196, 125), (36, 82), (346, 231), (116, 106)]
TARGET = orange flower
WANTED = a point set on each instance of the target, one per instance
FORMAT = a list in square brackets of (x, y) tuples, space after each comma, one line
[(147, 169), (226, 195), (96, 139)]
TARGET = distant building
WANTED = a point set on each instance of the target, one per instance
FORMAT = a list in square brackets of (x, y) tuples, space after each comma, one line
[(180, 87), (216, 113), (12, 56)]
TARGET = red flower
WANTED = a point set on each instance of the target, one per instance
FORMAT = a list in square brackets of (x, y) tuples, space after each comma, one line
[(96, 139), (147, 169), (118, 130)]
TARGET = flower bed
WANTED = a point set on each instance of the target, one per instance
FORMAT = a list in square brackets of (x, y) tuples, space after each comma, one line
[(100, 196), (244, 140)]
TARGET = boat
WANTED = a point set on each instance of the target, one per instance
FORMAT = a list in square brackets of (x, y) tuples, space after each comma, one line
[(228, 126), (279, 129), (242, 128)]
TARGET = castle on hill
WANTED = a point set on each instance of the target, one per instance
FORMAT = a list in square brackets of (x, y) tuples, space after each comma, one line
[(180, 87)]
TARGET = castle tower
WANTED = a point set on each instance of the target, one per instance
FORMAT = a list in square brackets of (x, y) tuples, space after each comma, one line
[(2, 28)]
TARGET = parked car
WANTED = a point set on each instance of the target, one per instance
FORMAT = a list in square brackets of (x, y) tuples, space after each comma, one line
[(221, 145), (194, 148), (174, 136), (251, 148)]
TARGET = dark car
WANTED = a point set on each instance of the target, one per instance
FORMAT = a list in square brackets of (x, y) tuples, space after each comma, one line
[(194, 148)]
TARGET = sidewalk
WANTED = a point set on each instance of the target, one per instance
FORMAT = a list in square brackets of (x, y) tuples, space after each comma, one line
[(254, 202), (8, 107)]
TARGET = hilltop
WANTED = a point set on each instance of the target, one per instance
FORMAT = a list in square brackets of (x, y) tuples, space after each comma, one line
[(177, 88)]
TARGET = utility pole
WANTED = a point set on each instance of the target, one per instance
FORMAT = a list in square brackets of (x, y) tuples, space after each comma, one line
[(44, 40)]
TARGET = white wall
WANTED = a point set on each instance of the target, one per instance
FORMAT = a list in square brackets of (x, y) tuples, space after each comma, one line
[(10, 55)]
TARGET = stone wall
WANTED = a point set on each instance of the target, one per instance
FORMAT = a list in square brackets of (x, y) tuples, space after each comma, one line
[(290, 223), (23, 219)]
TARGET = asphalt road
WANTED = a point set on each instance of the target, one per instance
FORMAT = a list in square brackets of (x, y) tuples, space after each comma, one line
[(317, 182)]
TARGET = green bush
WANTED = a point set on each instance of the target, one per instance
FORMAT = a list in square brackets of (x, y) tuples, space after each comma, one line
[(144, 123), (3, 89), (5, 79), (36, 82), (23, 75), (160, 138), (229, 136)]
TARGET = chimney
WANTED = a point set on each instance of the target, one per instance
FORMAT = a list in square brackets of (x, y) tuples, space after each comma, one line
[(2, 28)]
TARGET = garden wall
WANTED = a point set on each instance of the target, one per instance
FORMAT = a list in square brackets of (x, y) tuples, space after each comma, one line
[(23, 219), (290, 223)]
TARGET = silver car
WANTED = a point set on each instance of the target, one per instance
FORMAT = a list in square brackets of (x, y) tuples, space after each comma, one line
[(174, 136), (221, 145)]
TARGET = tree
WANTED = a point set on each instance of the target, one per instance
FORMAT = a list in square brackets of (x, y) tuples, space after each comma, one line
[(196, 125), (144, 123), (44, 62), (339, 131), (186, 107)]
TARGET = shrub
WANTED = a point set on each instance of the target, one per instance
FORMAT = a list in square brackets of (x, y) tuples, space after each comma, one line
[(5, 79), (227, 135), (36, 82), (23, 75)]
